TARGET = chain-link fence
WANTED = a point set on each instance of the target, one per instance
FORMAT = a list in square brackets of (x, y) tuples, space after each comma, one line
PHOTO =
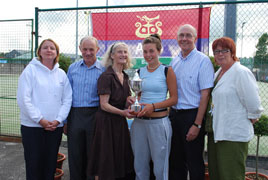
[(244, 21), (16, 50)]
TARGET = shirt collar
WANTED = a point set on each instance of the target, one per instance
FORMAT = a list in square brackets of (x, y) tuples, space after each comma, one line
[(189, 55), (97, 64), (110, 70)]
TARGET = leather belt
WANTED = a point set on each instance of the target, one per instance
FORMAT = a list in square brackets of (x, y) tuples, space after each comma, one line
[(151, 118), (184, 110)]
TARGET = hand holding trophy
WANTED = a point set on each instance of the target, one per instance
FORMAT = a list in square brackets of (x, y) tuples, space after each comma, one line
[(136, 85)]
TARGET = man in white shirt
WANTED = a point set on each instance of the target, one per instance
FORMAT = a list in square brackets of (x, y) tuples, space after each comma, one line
[(194, 72)]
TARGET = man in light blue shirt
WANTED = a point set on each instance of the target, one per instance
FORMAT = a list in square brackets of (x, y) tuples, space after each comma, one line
[(83, 76), (194, 73)]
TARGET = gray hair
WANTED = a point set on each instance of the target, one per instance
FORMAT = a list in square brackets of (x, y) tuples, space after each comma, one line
[(189, 26), (89, 38)]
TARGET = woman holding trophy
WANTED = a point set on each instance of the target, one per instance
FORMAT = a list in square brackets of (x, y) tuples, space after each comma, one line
[(111, 155), (151, 130)]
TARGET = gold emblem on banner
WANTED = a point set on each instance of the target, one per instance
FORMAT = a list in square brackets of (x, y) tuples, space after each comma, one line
[(144, 30)]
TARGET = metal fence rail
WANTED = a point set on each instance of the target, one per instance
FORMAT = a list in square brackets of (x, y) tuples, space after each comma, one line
[(244, 21)]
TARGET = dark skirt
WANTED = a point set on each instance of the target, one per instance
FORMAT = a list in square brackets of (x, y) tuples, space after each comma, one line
[(110, 155)]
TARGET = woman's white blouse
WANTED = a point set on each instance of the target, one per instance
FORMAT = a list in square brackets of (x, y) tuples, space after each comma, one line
[(235, 100)]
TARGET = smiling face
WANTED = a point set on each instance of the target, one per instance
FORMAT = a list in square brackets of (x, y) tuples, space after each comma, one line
[(150, 53), (48, 51), (223, 56), (89, 50), (224, 51), (186, 39), (120, 55)]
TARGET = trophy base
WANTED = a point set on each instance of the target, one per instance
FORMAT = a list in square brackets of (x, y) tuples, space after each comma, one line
[(136, 108), (134, 113)]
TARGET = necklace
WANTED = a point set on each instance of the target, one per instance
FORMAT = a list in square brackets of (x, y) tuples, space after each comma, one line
[(153, 68)]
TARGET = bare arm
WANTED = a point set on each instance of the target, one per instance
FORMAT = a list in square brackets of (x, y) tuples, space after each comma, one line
[(104, 103), (130, 100), (194, 131), (205, 93), (172, 88), (173, 95)]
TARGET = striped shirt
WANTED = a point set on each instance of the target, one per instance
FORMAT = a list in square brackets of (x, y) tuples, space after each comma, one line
[(83, 80), (193, 73)]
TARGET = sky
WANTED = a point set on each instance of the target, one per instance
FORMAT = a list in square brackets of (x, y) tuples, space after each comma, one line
[(25, 9)]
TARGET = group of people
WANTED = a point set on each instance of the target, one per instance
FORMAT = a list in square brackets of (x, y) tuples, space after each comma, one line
[(167, 135)]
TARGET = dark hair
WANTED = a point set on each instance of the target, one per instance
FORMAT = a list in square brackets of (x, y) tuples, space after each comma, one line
[(228, 43), (154, 39)]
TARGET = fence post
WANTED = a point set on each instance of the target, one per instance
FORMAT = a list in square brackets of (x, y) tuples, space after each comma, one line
[(36, 29), (230, 20), (199, 31)]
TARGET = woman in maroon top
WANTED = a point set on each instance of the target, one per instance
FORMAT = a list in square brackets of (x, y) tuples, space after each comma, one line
[(111, 154)]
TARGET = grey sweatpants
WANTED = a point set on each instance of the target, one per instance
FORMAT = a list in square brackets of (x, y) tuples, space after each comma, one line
[(151, 139)]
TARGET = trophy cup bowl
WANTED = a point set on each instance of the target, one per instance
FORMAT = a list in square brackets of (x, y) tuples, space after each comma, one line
[(136, 87), (136, 84)]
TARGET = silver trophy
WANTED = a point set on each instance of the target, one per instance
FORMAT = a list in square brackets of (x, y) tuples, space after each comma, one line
[(135, 84)]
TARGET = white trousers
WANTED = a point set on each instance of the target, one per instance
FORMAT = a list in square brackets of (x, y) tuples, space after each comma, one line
[(151, 139)]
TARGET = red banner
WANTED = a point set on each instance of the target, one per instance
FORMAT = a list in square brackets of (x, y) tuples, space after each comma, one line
[(138, 25)]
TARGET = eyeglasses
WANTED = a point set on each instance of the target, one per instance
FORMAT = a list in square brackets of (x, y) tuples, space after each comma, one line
[(217, 52), (187, 36)]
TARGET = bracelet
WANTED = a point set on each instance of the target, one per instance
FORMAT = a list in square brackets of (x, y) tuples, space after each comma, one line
[(153, 106)]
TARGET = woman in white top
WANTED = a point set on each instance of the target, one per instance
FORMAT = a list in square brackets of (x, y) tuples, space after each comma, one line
[(44, 97), (235, 108)]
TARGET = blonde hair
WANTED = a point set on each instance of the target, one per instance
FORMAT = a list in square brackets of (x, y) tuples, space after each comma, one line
[(107, 59), (57, 49)]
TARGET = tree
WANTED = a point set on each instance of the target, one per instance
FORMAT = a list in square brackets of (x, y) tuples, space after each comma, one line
[(64, 62), (261, 56), (2, 54), (260, 129), (216, 67)]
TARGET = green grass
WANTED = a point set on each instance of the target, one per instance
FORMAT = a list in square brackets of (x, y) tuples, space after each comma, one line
[(9, 111), (9, 84), (10, 123), (9, 117)]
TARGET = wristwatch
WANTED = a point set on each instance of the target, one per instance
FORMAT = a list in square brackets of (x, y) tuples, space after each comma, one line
[(197, 125)]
